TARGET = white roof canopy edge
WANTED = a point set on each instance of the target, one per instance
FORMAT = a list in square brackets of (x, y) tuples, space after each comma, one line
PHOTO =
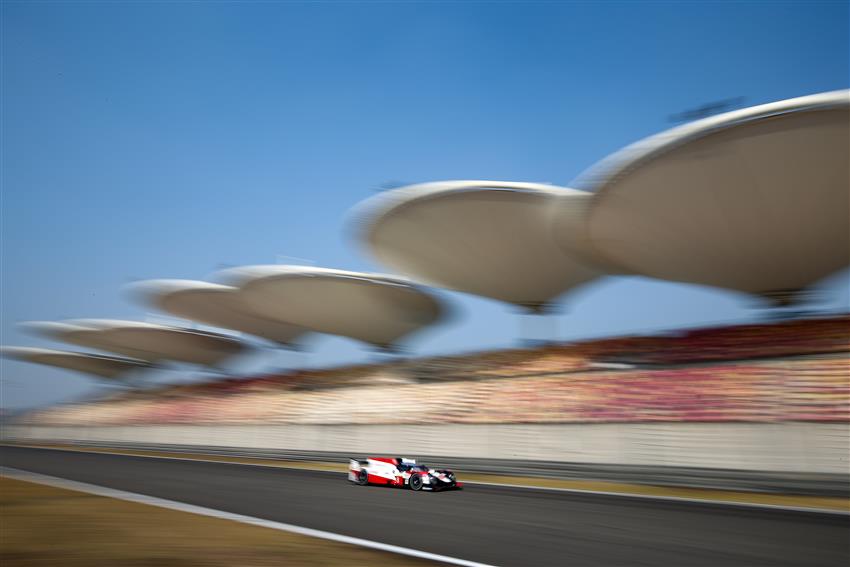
[(249, 278), (231, 315), (364, 222), (630, 156), (104, 366)]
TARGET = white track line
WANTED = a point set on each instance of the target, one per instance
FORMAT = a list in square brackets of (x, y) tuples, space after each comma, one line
[(192, 509), (163, 457), (735, 503)]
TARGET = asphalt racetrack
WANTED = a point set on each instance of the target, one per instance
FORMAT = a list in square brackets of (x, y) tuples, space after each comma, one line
[(494, 525)]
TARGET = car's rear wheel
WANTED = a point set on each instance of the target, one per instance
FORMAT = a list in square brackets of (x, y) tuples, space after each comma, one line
[(363, 478), (416, 482)]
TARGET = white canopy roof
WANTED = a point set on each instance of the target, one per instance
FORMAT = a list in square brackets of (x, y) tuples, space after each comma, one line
[(488, 238), (213, 304), (373, 308), (94, 364), (754, 200), (145, 341)]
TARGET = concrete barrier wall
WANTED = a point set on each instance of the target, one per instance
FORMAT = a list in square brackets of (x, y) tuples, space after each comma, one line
[(779, 447)]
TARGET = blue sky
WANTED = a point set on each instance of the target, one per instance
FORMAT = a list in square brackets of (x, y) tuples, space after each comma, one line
[(146, 140)]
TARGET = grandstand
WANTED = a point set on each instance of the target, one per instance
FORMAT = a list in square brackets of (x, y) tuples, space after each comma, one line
[(789, 371), (769, 396)]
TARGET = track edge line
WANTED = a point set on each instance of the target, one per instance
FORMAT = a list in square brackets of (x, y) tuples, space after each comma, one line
[(658, 497), (97, 490)]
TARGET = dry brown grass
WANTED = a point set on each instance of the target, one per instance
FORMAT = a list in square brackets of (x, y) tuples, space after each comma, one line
[(42, 526)]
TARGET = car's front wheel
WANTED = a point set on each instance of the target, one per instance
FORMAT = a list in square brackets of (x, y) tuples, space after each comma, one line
[(363, 478), (416, 482)]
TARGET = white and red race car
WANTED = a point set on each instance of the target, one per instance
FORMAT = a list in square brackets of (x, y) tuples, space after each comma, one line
[(398, 471)]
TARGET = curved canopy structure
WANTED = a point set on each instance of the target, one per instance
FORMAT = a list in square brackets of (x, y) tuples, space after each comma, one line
[(97, 365), (145, 341), (213, 304), (488, 238), (754, 200), (376, 309)]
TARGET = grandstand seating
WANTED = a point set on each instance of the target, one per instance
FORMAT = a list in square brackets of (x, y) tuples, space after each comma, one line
[(799, 389), (797, 371)]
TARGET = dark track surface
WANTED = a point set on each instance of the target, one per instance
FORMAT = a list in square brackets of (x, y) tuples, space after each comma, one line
[(501, 526)]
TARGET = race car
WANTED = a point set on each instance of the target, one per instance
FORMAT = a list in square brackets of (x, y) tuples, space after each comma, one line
[(401, 472)]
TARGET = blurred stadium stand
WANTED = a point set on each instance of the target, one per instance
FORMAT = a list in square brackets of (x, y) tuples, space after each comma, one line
[(791, 371), (753, 407)]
